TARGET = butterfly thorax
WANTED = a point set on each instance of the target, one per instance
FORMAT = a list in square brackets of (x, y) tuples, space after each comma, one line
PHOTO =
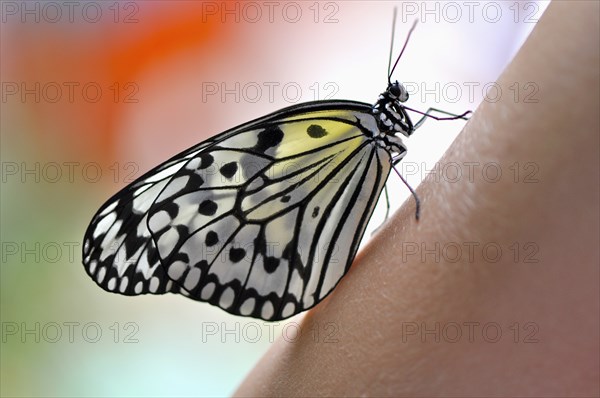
[(389, 112)]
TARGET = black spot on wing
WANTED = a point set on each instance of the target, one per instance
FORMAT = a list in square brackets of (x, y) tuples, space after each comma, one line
[(195, 181), (316, 131), (236, 254), (268, 138), (206, 160), (228, 170), (207, 208), (315, 212), (211, 238), (271, 264)]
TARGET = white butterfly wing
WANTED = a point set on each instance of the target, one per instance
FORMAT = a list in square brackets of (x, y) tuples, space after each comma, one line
[(263, 220)]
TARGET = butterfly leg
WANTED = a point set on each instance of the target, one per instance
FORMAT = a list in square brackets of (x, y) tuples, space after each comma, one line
[(412, 191), (387, 202), (387, 210), (427, 114)]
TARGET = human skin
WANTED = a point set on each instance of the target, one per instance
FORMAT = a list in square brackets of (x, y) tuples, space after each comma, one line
[(547, 311)]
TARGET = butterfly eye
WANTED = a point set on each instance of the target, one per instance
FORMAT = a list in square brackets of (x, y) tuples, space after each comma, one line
[(395, 90), (403, 97)]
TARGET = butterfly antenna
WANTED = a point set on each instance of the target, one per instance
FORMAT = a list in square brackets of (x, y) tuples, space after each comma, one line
[(392, 43), (403, 47)]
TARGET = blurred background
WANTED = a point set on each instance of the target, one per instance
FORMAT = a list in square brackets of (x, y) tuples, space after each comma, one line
[(96, 93)]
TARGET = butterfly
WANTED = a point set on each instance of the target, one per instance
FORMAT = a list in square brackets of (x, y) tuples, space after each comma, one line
[(262, 220)]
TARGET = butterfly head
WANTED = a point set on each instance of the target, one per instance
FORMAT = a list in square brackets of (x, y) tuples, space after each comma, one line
[(396, 91)]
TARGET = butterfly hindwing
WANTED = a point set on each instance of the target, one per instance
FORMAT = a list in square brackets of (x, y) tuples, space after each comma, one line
[(118, 252), (262, 220)]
